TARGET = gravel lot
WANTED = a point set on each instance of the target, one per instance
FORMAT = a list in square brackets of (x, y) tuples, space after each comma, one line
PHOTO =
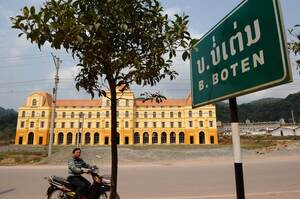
[(152, 154)]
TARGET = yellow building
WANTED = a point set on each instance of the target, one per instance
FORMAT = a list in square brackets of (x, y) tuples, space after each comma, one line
[(172, 121)]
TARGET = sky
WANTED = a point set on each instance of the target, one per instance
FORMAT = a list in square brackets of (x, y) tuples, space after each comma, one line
[(25, 69)]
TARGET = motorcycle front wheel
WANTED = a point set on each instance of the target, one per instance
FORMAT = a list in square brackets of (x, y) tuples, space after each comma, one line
[(57, 194), (106, 195)]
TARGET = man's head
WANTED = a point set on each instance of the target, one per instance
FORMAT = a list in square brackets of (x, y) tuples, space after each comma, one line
[(76, 152)]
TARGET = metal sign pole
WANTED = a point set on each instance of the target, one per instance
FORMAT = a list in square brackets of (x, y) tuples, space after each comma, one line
[(238, 165)]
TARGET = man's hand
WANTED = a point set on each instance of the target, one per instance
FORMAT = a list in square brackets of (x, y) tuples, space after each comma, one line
[(86, 170)]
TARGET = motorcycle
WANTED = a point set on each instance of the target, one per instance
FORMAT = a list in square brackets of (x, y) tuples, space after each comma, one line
[(60, 188)]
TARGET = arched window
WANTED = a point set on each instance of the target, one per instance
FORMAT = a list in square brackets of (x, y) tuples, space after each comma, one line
[(154, 138), (145, 138), (136, 138), (181, 138), (43, 114), (87, 138), (72, 114), (69, 138), (32, 114), (201, 138), (96, 138), (163, 138), (60, 138), (172, 138), (30, 138)]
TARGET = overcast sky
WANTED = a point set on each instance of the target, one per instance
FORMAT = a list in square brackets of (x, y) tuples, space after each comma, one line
[(24, 69)]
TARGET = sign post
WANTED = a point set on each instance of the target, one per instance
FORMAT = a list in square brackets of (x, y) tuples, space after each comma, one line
[(245, 52)]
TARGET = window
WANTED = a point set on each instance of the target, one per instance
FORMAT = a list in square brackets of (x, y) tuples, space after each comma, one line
[(90, 115), (210, 113), (89, 125), (190, 123), (200, 113), (163, 125), (127, 102), (81, 115), (136, 114), (64, 115), (72, 114), (32, 114), (145, 114), (106, 124), (22, 124), (154, 124), (154, 138), (172, 124), (126, 114), (23, 113), (179, 125), (87, 138), (96, 138), (145, 138), (98, 114), (154, 114), (163, 138), (42, 124), (97, 124), (107, 114), (163, 114), (54, 125), (31, 124), (80, 124), (72, 125), (62, 125), (43, 114), (201, 124), (136, 125), (172, 138), (171, 114), (179, 114), (145, 124), (69, 138), (126, 124), (181, 138), (211, 123), (107, 102), (136, 138), (190, 114), (34, 102)]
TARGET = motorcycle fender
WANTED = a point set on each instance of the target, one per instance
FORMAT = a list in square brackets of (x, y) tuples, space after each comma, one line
[(50, 190)]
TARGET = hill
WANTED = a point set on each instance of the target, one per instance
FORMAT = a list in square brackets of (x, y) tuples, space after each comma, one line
[(8, 121), (266, 109)]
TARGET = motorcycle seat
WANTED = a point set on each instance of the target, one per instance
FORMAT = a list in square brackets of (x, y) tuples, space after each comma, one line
[(62, 181)]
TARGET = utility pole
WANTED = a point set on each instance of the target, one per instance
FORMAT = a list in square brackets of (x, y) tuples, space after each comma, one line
[(293, 117), (80, 129), (57, 61)]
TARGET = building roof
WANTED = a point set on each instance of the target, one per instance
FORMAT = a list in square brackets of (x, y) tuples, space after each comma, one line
[(79, 102), (168, 102)]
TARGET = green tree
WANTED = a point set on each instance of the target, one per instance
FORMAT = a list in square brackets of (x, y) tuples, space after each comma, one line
[(116, 42), (294, 44)]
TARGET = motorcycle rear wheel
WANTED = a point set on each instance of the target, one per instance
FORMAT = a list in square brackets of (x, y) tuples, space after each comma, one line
[(106, 195), (57, 194)]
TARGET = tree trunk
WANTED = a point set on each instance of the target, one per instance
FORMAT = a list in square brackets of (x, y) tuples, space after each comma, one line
[(114, 150)]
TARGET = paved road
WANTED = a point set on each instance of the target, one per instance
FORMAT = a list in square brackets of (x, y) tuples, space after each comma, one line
[(264, 179)]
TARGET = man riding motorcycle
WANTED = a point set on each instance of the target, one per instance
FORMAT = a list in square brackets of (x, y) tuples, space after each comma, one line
[(76, 167)]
